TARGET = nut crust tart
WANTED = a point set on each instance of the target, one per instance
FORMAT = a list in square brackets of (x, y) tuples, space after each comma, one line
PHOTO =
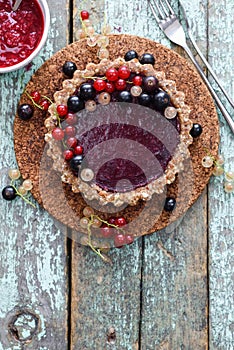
[(185, 185)]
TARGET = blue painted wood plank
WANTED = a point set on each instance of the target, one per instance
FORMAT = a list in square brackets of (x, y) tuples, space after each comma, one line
[(33, 284), (221, 218)]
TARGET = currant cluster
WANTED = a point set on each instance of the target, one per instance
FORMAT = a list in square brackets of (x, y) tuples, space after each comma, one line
[(11, 191), (208, 161), (42, 102), (93, 39), (111, 229), (25, 111), (120, 85)]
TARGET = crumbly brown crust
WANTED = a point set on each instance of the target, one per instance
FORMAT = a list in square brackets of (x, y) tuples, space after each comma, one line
[(94, 192)]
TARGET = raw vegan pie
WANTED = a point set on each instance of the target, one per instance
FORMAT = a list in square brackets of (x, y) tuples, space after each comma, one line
[(119, 131), (115, 181)]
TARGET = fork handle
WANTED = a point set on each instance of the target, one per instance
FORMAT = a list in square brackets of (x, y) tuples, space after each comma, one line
[(213, 93), (210, 69)]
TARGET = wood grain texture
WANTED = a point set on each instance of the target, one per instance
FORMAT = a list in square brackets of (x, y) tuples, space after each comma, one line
[(33, 285), (174, 295), (221, 217), (105, 297)]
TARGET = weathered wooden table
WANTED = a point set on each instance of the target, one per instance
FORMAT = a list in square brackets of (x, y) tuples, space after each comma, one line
[(171, 290)]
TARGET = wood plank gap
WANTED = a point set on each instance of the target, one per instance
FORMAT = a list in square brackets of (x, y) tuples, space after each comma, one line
[(69, 289), (141, 290), (208, 197), (207, 267), (207, 31), (69, 241), (71, 22)]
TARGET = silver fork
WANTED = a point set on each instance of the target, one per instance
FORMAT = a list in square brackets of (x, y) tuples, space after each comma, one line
[(210, 69), (170, 25)]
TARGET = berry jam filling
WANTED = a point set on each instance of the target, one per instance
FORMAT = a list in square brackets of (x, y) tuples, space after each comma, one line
[(20, 31), (143, 156)]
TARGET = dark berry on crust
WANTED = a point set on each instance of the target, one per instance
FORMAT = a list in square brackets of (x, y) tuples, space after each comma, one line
[(170, 204), (75, 104), (144, 99), (130, 55), (76, 162), (69, 68), (161, 100), (87, 91), (25, 111), (125, 96), (147, 58), (196, 130)]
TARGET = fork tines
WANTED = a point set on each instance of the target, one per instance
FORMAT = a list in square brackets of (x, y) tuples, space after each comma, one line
[(164, 10)]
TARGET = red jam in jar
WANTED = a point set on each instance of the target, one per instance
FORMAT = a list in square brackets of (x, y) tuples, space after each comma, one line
[(20, 31)]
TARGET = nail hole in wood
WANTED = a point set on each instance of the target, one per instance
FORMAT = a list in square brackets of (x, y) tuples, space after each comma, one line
[(23, 326), (111, 336)]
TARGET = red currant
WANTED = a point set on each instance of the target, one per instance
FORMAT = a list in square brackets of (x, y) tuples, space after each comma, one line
[(58, 134), (62, 110), (99, 85), (45, 104), (137, 80), (119, 240), (111, 221), (120, 222), (70, 131), (72, 142), (110, 87), (106, 231), (71, 119), (129, 239), (36, 96), (78, 150), (124, 72), (84, 15), (68, 154), (120, 84), (112, 74)]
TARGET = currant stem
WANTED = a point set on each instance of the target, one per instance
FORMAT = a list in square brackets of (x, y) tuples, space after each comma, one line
[(32, 100), (47, 98), (214, 159), (20, 195), (107, 223), (94, 78), (97, 251)]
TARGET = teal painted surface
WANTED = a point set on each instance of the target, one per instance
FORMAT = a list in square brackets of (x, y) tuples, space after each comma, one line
[(33, 247), (157, 288), (221, 219)]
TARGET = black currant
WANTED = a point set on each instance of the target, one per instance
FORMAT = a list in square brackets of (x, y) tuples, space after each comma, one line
[(125, 96), (25, 111), (196, 130), (76, 162), (9, 193), (130, 55), (161, 100), (150, 84), (75, 104), (69, 68), (147, 58), (87, 91), (170, 204), (144, 99)]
